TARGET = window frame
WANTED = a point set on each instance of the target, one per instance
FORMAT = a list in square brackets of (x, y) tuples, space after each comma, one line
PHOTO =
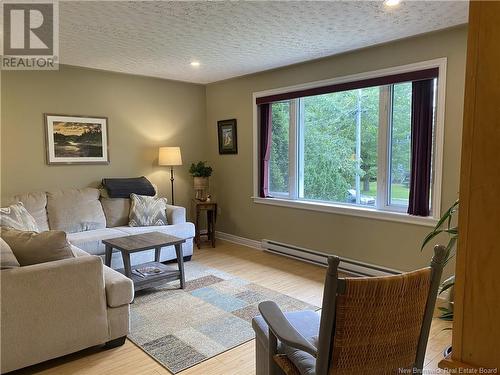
[(384, 210), (291, 174)]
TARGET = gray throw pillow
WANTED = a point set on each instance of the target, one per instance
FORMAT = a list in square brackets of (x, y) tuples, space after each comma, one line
[(147, 211), (17, 217), (7, 257), (33, 248)]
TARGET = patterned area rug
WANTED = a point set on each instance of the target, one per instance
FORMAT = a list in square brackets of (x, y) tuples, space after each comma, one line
[(181, 328)]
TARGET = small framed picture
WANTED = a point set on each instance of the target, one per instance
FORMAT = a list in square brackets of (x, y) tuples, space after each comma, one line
[(228, 140), (72, 139)]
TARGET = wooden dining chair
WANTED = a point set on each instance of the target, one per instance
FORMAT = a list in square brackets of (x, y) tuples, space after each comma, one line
[(368, 325)]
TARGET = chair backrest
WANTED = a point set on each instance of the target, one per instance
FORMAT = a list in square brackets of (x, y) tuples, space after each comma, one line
[(377, 325)]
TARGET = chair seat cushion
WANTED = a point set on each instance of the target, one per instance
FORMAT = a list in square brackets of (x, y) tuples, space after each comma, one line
[(307, 324), (305, 363), (286, 365)]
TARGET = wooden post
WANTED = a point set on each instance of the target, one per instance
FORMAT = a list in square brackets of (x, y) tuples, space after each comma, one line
[(476, 327)]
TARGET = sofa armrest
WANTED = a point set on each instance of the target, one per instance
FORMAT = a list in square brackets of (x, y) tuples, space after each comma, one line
[(176, 214), (51, 309), (119, 288)]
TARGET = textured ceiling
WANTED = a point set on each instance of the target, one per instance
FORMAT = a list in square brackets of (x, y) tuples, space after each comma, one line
[(230, 39)]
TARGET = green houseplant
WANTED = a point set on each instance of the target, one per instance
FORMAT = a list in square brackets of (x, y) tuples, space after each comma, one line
[(200, 173), (200, 169), (446, 225)]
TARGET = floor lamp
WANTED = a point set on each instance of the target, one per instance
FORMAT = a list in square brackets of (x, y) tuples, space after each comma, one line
[(170, 156)]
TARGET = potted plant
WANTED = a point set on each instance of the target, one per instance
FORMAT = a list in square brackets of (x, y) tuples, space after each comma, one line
[(446, 225), (200, 173)]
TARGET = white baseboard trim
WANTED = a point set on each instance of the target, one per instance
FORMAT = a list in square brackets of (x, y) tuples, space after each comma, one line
[(254, 244), (304, 255), (351, 266)]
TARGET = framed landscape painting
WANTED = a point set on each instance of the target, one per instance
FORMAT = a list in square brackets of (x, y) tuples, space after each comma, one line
[(228, 141), (74, 139)]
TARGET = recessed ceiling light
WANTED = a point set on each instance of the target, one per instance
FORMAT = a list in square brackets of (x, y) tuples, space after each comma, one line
[(392, 3), (195, 63)]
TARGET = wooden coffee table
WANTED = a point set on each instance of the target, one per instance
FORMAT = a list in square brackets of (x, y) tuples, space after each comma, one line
[(147, 241)]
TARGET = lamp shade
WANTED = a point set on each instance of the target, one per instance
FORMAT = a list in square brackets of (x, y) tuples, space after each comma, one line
[(169, 156)]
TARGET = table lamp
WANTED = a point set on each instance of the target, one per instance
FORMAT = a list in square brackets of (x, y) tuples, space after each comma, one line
[(170, 156)]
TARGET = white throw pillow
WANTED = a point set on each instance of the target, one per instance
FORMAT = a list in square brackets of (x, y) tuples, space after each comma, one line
[(147, 211), (17, 217)]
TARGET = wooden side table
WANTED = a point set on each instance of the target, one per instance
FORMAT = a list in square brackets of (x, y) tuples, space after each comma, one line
[(211, 209)]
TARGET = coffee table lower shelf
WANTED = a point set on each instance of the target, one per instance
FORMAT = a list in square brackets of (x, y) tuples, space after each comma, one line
[(144, 242), (168, 274)]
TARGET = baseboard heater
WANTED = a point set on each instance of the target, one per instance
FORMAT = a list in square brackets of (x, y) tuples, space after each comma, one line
[(312, 256)]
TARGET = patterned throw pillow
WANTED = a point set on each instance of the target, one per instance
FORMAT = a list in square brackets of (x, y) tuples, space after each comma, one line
[(16, 216), (147, 211)]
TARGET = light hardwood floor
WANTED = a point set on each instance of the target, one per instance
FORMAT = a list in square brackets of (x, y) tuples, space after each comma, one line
[(297, 279)]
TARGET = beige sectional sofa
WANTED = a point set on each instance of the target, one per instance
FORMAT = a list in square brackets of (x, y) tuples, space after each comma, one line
[(56, 308), (88, 218)]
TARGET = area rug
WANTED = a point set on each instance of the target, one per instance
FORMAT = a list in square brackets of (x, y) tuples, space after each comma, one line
[(181, 328)]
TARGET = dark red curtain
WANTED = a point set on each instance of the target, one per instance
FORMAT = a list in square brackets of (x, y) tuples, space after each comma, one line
[(421, 146), (265, 148)]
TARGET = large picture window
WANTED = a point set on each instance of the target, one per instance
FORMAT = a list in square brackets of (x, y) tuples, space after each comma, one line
[(355, 144)]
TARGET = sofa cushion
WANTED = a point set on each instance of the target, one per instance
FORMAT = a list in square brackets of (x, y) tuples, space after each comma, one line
[(36, 204), (116, 210), (75, 210), (184, 230), (119, 289), (17, 217), (94, 235), (91, 241), (33, 248), (77, 252), (176, 214), (7, 258), (147, 211)]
